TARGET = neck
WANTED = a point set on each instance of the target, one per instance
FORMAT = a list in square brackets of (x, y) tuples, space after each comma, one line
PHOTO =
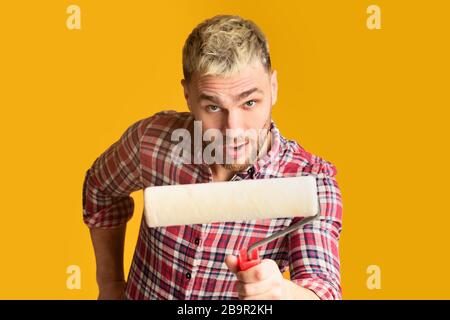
[(220, 173)]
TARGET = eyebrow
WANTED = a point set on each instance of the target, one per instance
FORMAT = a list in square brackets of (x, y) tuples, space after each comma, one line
[(240, 96)]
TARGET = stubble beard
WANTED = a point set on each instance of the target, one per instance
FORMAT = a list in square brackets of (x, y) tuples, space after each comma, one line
[(241, 166)]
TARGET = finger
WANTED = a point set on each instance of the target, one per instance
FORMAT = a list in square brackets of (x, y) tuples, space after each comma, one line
[(232, 263), (257, 288), (274, 294), (258, 273)]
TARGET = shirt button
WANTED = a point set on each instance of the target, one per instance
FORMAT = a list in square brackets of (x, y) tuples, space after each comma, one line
[(197, 241), (188, 275)]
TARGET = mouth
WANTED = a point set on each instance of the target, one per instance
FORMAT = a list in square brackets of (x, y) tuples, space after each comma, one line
[(236, 146), (236, 150)]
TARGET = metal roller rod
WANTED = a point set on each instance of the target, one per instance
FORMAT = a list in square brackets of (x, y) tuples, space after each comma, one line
[(282, 233)]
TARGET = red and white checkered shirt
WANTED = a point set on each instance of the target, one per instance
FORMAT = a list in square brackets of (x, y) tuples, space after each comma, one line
[(188, 262)]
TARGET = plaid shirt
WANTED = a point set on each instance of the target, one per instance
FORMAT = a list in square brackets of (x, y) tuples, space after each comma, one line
[(187, 262)]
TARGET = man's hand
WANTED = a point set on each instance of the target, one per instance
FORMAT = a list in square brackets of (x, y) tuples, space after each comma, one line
[(114, 290), (265, 282), (261, 282)]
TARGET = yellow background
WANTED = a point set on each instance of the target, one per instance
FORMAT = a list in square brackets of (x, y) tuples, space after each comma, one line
[(373, 102)]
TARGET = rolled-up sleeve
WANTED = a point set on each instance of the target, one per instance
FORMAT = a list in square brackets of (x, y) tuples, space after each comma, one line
[(314, 248), (113, 176)]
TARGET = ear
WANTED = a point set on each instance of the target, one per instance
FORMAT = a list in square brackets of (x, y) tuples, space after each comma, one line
[(274, 86), (184, 84)]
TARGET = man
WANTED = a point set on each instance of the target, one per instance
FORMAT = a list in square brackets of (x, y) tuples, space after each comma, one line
[(230, 87)]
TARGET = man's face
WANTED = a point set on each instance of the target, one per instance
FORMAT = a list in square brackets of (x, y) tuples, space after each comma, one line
[(237, 106)]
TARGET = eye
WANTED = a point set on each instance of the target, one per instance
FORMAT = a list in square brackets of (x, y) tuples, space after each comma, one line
[(250, 103), (213, 108)]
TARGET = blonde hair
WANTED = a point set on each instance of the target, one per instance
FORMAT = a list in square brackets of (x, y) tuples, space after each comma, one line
[(223, 45)]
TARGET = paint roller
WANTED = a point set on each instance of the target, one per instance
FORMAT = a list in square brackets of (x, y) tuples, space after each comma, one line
[(228, 201)]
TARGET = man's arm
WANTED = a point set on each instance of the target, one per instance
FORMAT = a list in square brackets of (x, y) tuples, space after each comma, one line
[(314, 248), (108, 247), (295, 292), (107, 206), (313, 253)]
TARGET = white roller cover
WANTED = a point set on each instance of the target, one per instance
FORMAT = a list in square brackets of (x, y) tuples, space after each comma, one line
[(230, 201)]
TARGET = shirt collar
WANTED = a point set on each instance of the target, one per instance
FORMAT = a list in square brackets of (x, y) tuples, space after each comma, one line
[(271, 158)]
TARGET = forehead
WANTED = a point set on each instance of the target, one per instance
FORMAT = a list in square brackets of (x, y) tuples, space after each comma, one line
[(250, 77)]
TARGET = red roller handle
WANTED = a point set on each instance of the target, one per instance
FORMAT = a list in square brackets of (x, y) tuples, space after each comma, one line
[(245, 262)]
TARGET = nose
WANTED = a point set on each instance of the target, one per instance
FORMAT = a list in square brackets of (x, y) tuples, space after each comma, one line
[(234, 120), (235, 127)]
